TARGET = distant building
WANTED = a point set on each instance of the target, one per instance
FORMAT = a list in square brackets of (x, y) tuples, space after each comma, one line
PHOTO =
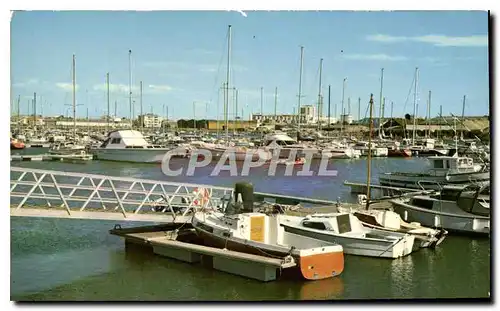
[(271, 118), (346, 118), (150, 120), (308, 114), (324, 120)]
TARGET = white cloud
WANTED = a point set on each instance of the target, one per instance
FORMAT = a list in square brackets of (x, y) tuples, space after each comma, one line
[(256, 93), (159, 88), (385, 38), (115, 88), (439, 40), (67, 86), (436, 40), (30, 82), (124, 88), (378, 57), (207, 68), (177, 66)]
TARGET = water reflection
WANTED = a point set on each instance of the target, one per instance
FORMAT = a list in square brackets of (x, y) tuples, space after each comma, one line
[(326, 289)]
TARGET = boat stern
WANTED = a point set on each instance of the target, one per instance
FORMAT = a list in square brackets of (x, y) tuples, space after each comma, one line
[(321, 262)]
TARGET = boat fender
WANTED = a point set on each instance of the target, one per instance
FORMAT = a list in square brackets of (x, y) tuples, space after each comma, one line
[(202, 195)]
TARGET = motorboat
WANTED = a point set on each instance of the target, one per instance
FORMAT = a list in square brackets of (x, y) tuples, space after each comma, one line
[(444, 170), (261, 234), (130, 146), (464, 211), (364, 148), (347, 230), (425, 237), (67, 148), (285, 146)]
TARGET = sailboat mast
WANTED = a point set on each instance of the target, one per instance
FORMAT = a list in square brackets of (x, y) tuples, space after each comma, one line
[(463, 112), (275, 104), (130, 86), (107, 96), (142, 116), (415, 107), (235, 110), (359, 108), (74, 98), (228, 76), (329, 102), (34, 111), (368, 159), (381, 103), (300, 88), (342, 107), (18, 114), (429, 115), (320, 105)]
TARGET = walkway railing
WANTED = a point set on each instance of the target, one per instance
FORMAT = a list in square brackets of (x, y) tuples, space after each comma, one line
[(46, 193), (77, 194)]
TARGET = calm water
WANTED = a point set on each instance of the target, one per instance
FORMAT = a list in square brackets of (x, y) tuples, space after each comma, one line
[(59, 259)]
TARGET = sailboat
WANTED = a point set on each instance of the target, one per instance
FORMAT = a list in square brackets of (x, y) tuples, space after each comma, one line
[(390, 221), (240, 153), (71, 147)]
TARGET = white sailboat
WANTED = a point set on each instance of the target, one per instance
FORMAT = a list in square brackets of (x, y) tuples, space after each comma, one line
[(240, 153)]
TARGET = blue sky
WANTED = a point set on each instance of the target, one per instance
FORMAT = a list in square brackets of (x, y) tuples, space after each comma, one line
[(181, 59)]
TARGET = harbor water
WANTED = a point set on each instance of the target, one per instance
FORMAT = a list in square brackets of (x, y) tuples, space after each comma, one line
[(63, 259)]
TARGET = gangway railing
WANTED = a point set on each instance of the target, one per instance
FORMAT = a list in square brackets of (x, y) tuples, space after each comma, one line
[(36, 192), (47, 193)]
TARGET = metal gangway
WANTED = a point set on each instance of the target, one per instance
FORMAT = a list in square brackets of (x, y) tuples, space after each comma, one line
[(47, 193)]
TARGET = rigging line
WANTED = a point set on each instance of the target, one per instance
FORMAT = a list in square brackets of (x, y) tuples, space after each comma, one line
[(409, 93), (312, 87), (219, 68)]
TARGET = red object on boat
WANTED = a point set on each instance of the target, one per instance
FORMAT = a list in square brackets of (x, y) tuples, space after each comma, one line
[(16, 144), (399, 153)]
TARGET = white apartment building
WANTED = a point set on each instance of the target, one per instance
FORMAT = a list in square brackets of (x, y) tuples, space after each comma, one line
[(150, 120), (307, 116), (271, 118), (346, 118)]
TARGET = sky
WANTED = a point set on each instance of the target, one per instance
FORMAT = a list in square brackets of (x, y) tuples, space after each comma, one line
[(181, 59)]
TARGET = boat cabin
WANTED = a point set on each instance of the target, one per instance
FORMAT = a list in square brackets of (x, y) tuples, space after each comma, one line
[(127, 139), (279, 139), (459, 164), (339, 223), (472, 199)]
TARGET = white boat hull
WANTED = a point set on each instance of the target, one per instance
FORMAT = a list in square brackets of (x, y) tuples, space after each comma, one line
[(433, 182), (371, 247), (376, 152), (338, 154), (240, 154), (131, 155), (452, 222)]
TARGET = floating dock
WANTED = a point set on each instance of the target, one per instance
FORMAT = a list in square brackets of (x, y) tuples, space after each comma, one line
[(51, 157), (184, 245), (44, 145), (362, 188)]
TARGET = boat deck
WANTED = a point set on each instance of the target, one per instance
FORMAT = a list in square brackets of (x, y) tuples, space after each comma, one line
[(181, 242)]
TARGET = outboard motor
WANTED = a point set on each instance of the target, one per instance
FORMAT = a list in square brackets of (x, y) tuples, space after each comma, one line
[(245, 190)]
